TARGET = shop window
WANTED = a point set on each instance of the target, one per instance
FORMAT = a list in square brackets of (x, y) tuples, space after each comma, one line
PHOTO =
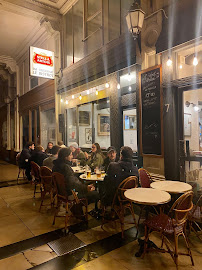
[(114, 19), (69, 38), (130, 128), (71, 126), (48, 127), (85, 125), (102, 123), (78, 31)]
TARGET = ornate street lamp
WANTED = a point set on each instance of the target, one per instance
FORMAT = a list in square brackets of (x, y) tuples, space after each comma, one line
[(135, 19)]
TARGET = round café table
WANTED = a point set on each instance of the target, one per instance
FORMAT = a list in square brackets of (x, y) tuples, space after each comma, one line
[(92, 178), (173, 187), (147, 196), (77, 169)]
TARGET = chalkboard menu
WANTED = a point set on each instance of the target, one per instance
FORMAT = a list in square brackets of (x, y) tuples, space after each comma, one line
[(151, 112)]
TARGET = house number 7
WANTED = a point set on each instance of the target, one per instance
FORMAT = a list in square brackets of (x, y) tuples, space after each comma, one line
[(167, 107)]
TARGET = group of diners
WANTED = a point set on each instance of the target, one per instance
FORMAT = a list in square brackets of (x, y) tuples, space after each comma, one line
[(60, 158)]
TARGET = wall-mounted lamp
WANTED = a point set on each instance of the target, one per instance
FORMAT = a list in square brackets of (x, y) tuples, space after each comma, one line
[(196, 108), (59, 75)]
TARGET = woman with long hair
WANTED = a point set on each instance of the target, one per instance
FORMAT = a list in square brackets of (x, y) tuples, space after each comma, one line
[(96, 158)]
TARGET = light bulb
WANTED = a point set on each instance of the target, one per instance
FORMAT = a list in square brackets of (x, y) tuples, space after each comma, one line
[(195, 61), (80, 97), (61, 100), (180, 66), (129, 77), (196, 108), (88, 92), (118, 86), (169, 62), (96, 92), (66, 102), (72, 96), (129, 88), (107, 85)]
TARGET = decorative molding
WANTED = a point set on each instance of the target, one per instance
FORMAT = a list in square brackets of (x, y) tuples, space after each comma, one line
[(66, 6), (51, 27), (9, 62)]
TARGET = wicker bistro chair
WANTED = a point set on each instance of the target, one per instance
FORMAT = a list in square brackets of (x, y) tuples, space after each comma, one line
[(21, 170), (195, 218), (172, 224), (71, 202), (120, 203), (46, 185), (35, 172), (144, 178)]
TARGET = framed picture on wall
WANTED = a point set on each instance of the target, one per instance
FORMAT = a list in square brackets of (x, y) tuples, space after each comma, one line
[(84, 118), (88, 135), (72, 134), (103, 125), (187, 124), (130, 122), (51, 132)]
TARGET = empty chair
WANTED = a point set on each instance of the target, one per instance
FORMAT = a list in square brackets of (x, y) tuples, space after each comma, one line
[(36, 176), (120, 203), (172, 224), (195, 218), (144, 178), (46, 185), (73, 204)]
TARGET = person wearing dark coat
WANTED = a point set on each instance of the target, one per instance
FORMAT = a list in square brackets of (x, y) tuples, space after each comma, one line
[(49, 149), (63, 165), (111, 157), (38, 156), (23, 160), (116, 173)]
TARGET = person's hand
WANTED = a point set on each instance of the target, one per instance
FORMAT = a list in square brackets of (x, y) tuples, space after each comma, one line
[(86, 155), (91, 188), (74, 160)]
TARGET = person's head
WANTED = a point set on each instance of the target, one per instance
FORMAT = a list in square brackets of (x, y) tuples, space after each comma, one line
[(74, 146), (111, 153), (55, 150), (39, 148), (50, 145), (60, 143), (96, 148), (30, 145), (126, 153), (65, 154)]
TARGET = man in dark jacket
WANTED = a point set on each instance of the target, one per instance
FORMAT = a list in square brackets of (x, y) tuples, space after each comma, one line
[(116, 173), (111, 157), (24, 157), (38, 156)]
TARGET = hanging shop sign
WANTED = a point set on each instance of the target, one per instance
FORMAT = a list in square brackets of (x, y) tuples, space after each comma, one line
[(41, 63), (151, 111)]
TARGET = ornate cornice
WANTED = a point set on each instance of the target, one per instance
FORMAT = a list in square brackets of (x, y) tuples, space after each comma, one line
[(9, 62)]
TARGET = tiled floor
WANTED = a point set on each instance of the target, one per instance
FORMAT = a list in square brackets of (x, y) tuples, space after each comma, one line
[(20, 219), (4, 175)]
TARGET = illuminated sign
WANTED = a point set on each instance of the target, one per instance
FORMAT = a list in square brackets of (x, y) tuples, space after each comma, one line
[(41, 63)]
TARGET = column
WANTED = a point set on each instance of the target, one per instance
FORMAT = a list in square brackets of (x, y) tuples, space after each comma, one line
[(8, 127), (17, 125)]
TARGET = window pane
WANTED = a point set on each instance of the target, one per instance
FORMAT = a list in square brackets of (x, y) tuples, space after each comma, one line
[(130, 129), (78, 31), (47, 127), (94, 24), (94, 6), (71, 126), (114, 19), (85, 125), (69, 39), (102, 123), (125, 6)]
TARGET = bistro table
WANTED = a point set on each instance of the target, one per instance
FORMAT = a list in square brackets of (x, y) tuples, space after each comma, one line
[(146, 197), (92, 178), (77, 169), (173, 187)]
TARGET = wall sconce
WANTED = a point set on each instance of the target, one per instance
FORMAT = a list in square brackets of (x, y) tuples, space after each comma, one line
[(59, 75), (196, 108)]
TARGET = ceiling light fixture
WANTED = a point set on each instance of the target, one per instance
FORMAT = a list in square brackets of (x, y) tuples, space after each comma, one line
[(180, 66), (66, 102), (169, 62), (107, 85), (72, 96), (129, 88), (195, 61), (80, 97), (88, 92), (61, 100), (96, 92), (118, 86)]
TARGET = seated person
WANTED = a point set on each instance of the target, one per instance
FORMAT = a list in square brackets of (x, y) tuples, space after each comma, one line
[(96, 159), (48, 162), (24, 158), (38, 156), (62, 165), (116, 173), (61, 144), (111, 157), (78, 154), (49, 148)]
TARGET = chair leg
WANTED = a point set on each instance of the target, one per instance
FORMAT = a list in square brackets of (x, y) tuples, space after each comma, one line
[(188, 247), (146, 237), (133, 214), (43, 193), (138, 223), (34, 189), (56, 211), (176, 249), (66, 216)]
